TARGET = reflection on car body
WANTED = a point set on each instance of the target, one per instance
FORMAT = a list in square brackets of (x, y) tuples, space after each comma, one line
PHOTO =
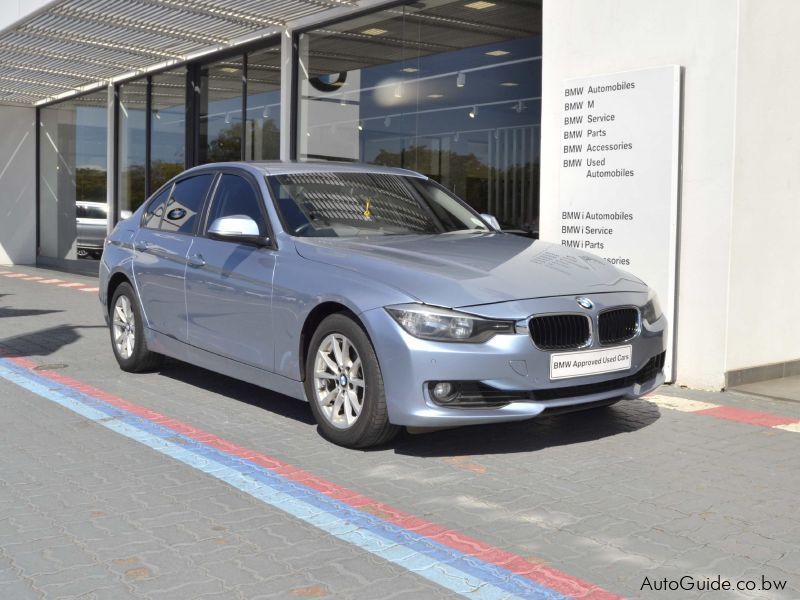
[(377, 296)]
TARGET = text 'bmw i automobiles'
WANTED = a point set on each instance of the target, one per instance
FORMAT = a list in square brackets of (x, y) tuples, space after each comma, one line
[(374, 294)]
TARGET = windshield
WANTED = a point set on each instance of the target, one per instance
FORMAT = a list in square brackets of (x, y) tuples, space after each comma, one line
[(353, 204)]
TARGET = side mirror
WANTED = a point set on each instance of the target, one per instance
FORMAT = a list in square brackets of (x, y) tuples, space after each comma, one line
[(492, 221), (237, 228)]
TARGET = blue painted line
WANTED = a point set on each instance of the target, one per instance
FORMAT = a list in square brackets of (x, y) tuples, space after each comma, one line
[(450, 568)]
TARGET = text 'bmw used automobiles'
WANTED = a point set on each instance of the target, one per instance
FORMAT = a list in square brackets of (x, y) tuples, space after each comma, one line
[(374, 294)]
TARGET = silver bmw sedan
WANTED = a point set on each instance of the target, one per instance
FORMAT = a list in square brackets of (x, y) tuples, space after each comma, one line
[(374, 294)]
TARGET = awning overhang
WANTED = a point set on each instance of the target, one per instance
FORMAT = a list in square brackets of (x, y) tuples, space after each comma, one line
[(72, 46)]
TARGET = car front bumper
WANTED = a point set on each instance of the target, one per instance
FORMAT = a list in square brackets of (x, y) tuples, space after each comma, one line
[(509, 362)]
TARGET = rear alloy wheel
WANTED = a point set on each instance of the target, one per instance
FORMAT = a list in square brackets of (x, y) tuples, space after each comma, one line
[(344, 385), (127, 333)]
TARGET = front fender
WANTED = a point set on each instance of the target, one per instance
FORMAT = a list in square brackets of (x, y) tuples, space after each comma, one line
[(300, 285)]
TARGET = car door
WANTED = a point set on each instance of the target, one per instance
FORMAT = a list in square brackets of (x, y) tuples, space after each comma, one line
[(229, 284), (161, 246)]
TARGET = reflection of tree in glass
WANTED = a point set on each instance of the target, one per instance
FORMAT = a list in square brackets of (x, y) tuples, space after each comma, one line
[(133, 180), (90, 184), (161, 171), (468, 177), (226, 145)]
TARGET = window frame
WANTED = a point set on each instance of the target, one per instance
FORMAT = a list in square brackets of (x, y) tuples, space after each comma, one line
[(173, 183), (260, 199)]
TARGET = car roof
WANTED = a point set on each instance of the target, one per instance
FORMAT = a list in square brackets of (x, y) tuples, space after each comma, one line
[(288, 167)]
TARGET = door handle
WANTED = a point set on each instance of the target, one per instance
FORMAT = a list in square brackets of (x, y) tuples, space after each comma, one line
[(196, 261), (142, 246)]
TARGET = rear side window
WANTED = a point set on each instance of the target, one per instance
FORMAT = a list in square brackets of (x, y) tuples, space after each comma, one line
[(152, 214), (89, 212), (185, 203), (235, 196)]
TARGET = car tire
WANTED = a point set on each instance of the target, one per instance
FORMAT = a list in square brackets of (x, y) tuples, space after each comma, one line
[(334, 397), (125, 318)]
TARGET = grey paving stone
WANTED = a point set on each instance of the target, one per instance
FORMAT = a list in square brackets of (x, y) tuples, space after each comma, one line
[(606, 496)]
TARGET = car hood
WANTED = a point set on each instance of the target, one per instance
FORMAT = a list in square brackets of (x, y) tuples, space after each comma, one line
[(467, 269)]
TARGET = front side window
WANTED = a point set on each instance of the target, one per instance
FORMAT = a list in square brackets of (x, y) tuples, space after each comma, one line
[(185, 203), (354, 204), (235, 196)]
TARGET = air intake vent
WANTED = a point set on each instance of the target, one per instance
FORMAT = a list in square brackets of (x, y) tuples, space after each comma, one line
[(560, 332), (618, 325)]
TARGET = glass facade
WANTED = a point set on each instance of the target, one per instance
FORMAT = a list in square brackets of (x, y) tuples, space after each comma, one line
[(445, 88), (167, 126), (450, 89), (220, 131), (73, 212), (131, 145), (262, 126)]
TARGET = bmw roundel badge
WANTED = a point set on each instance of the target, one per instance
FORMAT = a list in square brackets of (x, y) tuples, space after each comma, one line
[(585, 302)]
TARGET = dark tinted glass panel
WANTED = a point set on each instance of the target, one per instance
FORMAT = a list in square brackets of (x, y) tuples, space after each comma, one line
[(262, 127), (168, 118), (185, 203), (448, 88), (235, 196), (154, 210), (221, 111)]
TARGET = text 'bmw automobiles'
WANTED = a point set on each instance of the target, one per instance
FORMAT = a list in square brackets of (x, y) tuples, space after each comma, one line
[(374, 294)]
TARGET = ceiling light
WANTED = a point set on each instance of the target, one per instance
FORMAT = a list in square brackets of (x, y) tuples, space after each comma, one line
[(480, 5), (409, 70), (361, 125), (497, 53), (229, 69), (461, 79), (374, 31), (435, 96), (509, 84), (473, 112)]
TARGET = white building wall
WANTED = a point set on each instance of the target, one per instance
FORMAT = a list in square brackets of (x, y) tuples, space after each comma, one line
[(17, 185), (763, 327), (586, 37)]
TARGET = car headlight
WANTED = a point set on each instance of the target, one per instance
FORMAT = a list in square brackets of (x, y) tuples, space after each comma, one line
[(445, 325), (651, 311)]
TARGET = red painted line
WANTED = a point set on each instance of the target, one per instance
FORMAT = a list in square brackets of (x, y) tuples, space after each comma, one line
[(742, 415), (542, 574)]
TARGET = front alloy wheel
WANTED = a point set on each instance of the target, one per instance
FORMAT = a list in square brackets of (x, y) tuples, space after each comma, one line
[(344, 385), (339, 381)]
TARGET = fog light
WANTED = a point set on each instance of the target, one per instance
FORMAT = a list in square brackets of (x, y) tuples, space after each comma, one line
[(442, 391)]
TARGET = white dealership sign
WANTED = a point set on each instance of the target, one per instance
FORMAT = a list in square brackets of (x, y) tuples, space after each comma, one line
[(619, 153)]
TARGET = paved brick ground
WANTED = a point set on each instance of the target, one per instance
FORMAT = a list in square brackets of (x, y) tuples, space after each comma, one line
[(611, 496)]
